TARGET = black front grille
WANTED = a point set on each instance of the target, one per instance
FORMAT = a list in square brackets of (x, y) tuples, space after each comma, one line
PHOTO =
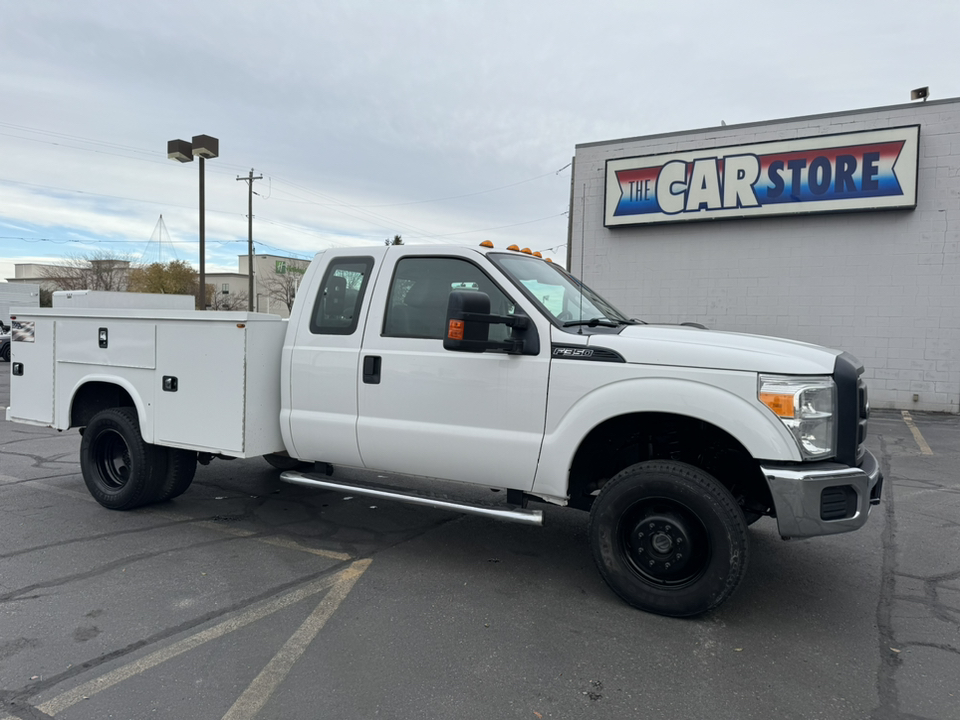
[(853, 409)]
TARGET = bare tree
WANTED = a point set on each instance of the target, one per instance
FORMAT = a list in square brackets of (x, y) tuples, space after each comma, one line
[(282, 284), (226, 301), (98, 270)]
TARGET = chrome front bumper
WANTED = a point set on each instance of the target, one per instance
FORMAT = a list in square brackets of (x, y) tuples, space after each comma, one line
[(797, 495)]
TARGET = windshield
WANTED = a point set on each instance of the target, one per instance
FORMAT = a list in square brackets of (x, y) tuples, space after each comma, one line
[(566, 300)]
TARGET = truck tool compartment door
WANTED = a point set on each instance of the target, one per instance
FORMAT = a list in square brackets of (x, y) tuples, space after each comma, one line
[(324, 361), (423, 410)]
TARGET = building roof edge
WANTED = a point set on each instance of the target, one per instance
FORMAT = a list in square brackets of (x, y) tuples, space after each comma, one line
[(761, 123)]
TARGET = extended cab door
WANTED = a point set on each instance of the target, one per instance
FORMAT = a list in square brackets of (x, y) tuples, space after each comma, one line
[(423, 410), (320, 403)]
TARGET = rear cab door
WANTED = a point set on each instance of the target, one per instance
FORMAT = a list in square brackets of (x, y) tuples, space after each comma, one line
[(320, 363)]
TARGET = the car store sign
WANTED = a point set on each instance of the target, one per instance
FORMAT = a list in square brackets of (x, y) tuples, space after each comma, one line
[(871, 170)]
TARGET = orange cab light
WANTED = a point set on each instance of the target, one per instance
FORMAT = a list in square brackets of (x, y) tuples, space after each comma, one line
[(455, 332), (486, 244), (515, 248), (537, 254), (528, 251), (548, 259)]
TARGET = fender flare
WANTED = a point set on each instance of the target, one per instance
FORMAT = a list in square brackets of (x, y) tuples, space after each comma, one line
[(146, 421), (751, 424)]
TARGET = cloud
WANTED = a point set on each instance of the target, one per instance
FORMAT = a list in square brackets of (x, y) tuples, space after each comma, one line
[(356, 112)]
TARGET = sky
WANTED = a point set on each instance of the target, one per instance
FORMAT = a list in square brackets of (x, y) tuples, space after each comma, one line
[(443, 121)]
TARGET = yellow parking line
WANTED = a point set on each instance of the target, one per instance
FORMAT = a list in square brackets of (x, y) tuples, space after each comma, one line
[(924, 448), (346, 577)]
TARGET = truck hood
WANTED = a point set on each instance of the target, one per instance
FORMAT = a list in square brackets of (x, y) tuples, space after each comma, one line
[(682, 346)]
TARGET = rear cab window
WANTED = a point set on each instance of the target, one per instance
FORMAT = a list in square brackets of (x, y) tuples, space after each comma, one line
[(336, 311)]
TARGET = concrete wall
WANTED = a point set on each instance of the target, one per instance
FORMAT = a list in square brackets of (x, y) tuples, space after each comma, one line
[(884, 286)]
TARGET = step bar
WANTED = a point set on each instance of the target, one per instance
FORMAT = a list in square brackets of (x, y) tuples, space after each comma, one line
[(517, 515)]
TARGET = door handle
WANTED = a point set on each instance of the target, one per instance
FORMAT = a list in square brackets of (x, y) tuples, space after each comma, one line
[(371, 369)]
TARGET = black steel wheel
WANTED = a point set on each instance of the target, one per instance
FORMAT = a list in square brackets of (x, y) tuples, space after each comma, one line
[(668, 538), (121, 471), (5, 352), (181, 467)]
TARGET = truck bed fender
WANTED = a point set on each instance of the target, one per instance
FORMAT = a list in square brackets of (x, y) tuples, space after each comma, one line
[(752, 425), (65, 412)]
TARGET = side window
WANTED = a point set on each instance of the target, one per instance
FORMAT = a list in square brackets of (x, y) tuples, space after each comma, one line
[(337, 307), (417, 304)]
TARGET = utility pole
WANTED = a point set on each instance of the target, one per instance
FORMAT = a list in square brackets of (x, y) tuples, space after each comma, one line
[(249, 180)]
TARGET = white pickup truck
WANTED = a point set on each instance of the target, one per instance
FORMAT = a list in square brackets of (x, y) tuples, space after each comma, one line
[(483, 366)]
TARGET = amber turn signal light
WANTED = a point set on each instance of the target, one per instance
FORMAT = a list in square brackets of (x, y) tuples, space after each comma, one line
[(455, 332)]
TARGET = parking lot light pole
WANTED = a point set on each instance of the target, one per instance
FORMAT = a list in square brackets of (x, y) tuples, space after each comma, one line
[(204, 147)]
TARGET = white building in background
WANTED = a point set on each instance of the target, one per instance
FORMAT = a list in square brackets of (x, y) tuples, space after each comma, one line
[(276, 278), (840, 229)]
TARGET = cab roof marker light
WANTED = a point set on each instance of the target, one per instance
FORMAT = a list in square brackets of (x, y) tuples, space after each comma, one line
[(528, 251), (486, 244), (537, 254), (515, 248)]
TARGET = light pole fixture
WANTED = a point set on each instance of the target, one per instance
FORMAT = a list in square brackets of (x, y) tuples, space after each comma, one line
[(204, 147)]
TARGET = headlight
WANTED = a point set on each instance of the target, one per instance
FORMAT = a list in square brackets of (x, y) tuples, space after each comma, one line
[(807, 406)]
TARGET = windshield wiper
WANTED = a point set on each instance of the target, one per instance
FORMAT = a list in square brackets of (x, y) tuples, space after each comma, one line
[(593, 322)]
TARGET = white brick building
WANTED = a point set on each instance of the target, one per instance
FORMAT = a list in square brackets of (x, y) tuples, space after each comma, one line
[(883, 285)]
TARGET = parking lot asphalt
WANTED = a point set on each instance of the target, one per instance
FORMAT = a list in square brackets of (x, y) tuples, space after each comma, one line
[(250, 598)]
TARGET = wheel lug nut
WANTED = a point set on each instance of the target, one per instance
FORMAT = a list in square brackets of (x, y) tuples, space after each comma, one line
[(667, 565), (651, 563)]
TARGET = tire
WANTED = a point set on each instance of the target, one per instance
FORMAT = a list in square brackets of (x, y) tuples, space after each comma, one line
[(121, 471), (668, 538), (5, 353), (181, 467), (285, 462)]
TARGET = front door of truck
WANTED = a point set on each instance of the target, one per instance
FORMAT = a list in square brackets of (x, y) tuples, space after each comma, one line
[(423, 410)]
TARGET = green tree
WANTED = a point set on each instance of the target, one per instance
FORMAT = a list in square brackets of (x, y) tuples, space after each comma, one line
[(173, 278), (397, 240)]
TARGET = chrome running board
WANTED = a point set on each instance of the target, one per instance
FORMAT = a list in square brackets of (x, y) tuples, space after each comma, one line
[(517, 515)]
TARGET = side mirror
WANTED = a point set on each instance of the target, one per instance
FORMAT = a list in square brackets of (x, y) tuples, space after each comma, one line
[(462, 333), (469, 321)]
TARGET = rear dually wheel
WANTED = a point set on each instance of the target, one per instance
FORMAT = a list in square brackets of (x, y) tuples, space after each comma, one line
[(121, 471)]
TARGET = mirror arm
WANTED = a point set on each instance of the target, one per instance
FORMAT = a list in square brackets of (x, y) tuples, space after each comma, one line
[(520, 322)]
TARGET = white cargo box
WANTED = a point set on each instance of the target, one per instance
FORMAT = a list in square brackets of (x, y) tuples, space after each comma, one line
[(206, 381), (107, 299), (17, 295)]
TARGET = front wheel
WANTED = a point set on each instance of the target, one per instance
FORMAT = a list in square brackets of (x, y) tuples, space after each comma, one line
[(121, 471), (668, 538)]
